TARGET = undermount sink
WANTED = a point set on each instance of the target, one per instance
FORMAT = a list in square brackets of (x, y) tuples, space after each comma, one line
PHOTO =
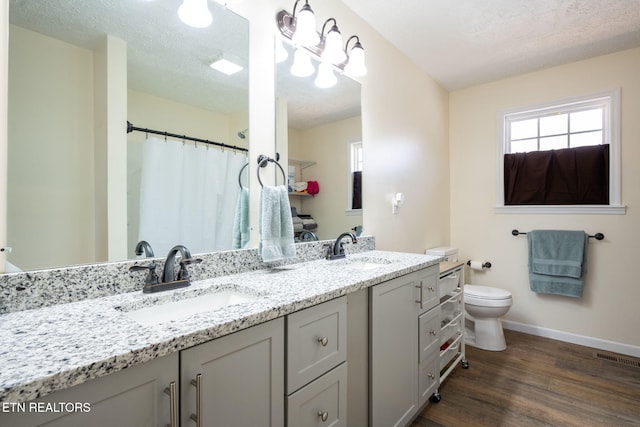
[(362, 263), (160, 309)]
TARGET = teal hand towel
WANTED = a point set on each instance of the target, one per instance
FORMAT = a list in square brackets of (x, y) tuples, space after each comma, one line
[(241, 220), (276, 225), (557, 261)]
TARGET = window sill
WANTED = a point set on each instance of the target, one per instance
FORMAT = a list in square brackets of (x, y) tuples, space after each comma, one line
[(562, 209), (349, 212)]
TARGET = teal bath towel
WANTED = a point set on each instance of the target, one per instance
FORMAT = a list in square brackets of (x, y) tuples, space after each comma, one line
[(241, 220), (557, 261), (276, 225)]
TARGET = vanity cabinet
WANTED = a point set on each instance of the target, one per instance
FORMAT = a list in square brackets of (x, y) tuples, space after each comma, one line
[(404, 337), (316, 365), (143, 395), (236, 380)]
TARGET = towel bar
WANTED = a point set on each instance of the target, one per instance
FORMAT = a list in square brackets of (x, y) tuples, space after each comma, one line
[(597, 236), (263, 161)]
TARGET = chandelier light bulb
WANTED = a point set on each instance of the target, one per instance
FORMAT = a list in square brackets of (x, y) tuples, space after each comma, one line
[(325, 78), (306, 34), (333, 52), (302, 66)]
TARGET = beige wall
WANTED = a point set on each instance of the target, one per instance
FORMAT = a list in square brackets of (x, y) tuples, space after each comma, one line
[(328, 146), (49, 182), (607, 310)]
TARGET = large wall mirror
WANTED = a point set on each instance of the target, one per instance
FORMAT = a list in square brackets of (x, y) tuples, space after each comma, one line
[(319, 135), (57, 106)]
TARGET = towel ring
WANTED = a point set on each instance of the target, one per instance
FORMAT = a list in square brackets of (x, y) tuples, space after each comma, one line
[(263, 161), (240, 174)]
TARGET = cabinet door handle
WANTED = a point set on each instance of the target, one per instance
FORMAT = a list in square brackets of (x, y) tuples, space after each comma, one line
[(173, 403), (419, 301), (434, 333), (432, 289), (197, 417), (323, 341), (432, 377), (324, 416)]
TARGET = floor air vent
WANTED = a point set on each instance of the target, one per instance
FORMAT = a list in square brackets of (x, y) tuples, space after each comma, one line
[(618, 358)]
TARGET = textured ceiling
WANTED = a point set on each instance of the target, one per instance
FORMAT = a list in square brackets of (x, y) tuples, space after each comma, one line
[(165, 57), (466, 42)]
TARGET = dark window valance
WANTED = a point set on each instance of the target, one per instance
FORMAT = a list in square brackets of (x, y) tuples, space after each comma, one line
[(356, 201), (572, 176)]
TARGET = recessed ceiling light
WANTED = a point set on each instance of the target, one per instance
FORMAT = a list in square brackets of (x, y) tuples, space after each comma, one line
[(225, 65)]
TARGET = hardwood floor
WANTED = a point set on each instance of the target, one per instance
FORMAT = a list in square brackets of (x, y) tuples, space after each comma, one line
[(537, 382)]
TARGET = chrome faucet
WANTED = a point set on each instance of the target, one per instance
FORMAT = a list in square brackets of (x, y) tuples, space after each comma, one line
[(169, 280), (338, 250), (307, 235), (144, 246), (169, 272)]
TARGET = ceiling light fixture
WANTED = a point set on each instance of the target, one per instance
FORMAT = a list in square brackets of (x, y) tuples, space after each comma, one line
[(332, 51), (195, 13), (305, 33), (355, 66), (226, 65)]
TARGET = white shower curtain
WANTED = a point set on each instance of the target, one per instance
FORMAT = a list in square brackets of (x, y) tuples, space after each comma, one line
[(188, 195)]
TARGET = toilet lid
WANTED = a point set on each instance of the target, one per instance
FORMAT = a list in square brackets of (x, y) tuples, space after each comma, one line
[(486, 292)]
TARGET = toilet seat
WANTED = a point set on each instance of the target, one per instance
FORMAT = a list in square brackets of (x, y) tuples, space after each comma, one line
[(486, 292), (486, 296)]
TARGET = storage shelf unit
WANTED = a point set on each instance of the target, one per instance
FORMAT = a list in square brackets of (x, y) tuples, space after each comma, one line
[(450, 292)]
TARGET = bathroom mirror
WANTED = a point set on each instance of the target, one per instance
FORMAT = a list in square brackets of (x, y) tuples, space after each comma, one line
[(318, 128), (56, 190)]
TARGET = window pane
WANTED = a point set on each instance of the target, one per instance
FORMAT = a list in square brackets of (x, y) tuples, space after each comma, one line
[(588, 138), (524, 145), (553, 143), (586, 120), (524, 129), (554, 125)]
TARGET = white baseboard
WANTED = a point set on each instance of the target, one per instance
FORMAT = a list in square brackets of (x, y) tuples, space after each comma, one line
[(616, 347)]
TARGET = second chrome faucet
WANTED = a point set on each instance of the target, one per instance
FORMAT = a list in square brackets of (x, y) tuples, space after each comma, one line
[(169, 279), (337, 252)]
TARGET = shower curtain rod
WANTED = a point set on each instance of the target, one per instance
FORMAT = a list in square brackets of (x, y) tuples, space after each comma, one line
[(131, 128)]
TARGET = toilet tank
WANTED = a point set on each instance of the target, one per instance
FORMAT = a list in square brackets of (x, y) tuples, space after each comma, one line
[(449, 254)]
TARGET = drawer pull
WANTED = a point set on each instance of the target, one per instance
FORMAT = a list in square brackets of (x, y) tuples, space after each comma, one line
[(197, 384), (173, 403), (324, 416), (432, 289), (431, 376), (323, 341), (434, 333)]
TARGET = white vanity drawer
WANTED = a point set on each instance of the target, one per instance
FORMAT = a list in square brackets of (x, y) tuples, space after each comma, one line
[(429, 288), (429, 331), (429, 377), (316, 342), (321, 403)]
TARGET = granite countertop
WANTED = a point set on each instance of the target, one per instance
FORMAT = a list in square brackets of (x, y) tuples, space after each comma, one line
[(52, 348)]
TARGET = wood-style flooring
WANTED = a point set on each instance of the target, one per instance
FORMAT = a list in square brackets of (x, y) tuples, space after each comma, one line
[(536, 382)]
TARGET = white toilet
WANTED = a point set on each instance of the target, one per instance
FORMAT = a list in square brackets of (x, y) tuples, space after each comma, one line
[(484, 306)]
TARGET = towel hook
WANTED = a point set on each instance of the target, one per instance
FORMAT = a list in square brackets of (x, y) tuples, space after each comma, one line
[(263, 161)]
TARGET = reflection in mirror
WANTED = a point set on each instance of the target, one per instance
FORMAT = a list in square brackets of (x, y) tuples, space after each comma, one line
[(319, 131), (77, 72)]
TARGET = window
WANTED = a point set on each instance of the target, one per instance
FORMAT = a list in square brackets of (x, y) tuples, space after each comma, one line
[(355, 176), (588, 121)]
